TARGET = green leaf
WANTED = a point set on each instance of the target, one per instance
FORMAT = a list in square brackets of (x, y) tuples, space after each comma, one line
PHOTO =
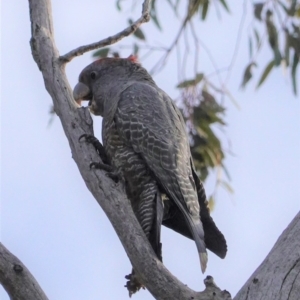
[(258, 7), (101, 53), (257, 39), (155, 20), (266, 72), (292, 10), (153, 15), (250, 47), (294, 73), (225, 5), (191, 82), (118, 4), (135, 49), (287, 48), (139, 34), (205, 9), (247, 74)]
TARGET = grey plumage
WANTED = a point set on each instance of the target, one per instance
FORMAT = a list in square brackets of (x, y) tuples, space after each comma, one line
[(144, 138)]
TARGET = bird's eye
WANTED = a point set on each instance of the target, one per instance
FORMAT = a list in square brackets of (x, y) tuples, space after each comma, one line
[(93, 75)]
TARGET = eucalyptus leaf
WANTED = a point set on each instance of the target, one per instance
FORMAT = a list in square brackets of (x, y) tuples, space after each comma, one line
[(258, 7), (294, 73), (191, 82), (266, 72), (139, 34), (247, 74), (250, 47), (135, 49), (118, 4), (101, 53), (205, 9), (153, 14), (223, 2), (257, 38)]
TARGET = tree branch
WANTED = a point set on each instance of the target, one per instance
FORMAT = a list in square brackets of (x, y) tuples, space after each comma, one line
[(279, 274), (111, 197), (145, 17), (16, 279)]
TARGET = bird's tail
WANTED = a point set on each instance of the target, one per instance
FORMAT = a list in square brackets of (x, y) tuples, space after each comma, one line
[(214, 239), (195, 225), (198, 234)]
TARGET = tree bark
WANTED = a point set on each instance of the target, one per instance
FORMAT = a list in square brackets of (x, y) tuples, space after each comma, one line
[(278, 277), (16, 278)]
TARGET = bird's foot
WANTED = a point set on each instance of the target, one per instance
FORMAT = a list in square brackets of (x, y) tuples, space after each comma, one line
[(111, 172), (96, 143), (133, 284)]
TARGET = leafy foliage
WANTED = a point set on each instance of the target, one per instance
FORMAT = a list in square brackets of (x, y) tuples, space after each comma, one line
[(282, 23)]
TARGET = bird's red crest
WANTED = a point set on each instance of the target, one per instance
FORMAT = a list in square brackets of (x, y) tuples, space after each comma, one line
[(133, 58)]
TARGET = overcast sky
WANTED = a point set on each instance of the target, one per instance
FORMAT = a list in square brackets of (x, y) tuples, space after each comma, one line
[(48, 217)]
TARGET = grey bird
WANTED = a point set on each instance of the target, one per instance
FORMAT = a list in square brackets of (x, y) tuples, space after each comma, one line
[(145, 140)]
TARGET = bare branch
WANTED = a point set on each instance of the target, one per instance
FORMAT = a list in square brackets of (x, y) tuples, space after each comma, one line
[(111, 197), (278, 277), (112, 39), (16, 279)]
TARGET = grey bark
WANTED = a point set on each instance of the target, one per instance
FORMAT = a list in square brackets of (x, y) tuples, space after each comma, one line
[(278, 277), (16, 278)]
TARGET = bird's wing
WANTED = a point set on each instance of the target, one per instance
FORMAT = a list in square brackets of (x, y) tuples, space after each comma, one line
[(149, 122)]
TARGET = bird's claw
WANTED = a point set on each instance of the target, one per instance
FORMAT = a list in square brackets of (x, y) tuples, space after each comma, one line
[(133, 284), (89, 138), (98, 146), (111, 173)]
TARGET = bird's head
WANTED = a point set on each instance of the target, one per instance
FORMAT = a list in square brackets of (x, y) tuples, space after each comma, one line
[(102, 79)]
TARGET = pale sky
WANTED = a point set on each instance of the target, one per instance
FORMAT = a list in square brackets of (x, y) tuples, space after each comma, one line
[(50, 220)]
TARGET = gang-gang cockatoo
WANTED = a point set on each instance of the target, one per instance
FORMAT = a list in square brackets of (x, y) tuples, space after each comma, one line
[(145, 140)]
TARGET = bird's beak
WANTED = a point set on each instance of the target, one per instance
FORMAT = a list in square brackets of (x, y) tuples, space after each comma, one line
[(81, 92)]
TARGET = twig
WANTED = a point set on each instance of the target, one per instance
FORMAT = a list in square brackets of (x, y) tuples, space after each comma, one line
[(196, 46), (112, 39), (185, 53), (237, 43), (159, 65)]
